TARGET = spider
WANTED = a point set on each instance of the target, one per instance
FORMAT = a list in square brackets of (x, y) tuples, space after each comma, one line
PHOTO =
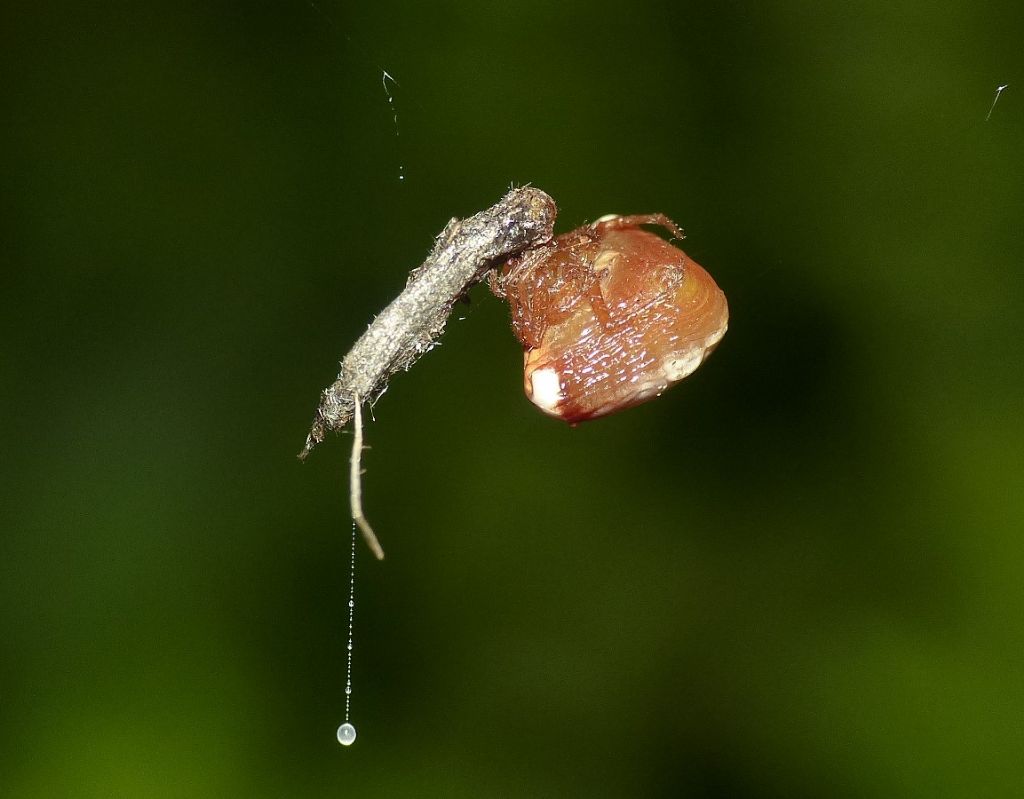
[(609, 316)]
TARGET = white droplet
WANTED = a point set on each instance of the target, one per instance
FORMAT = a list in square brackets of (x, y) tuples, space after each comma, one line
[(348, 689), (349, 646), (545, 389), (346, 734), (351, 603)]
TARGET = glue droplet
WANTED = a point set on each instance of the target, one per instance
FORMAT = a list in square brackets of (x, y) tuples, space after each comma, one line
[(346, 734)]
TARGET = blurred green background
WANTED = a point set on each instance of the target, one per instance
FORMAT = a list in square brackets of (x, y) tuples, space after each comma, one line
[(797, 574)]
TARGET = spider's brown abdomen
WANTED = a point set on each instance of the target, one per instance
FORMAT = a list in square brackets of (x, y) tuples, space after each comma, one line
[(611, 316)]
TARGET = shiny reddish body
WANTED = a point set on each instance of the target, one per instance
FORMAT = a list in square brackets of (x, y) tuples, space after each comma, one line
[(610, 315)]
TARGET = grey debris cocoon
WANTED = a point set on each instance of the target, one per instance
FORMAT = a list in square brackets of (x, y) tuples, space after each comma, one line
[(462, 255)]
